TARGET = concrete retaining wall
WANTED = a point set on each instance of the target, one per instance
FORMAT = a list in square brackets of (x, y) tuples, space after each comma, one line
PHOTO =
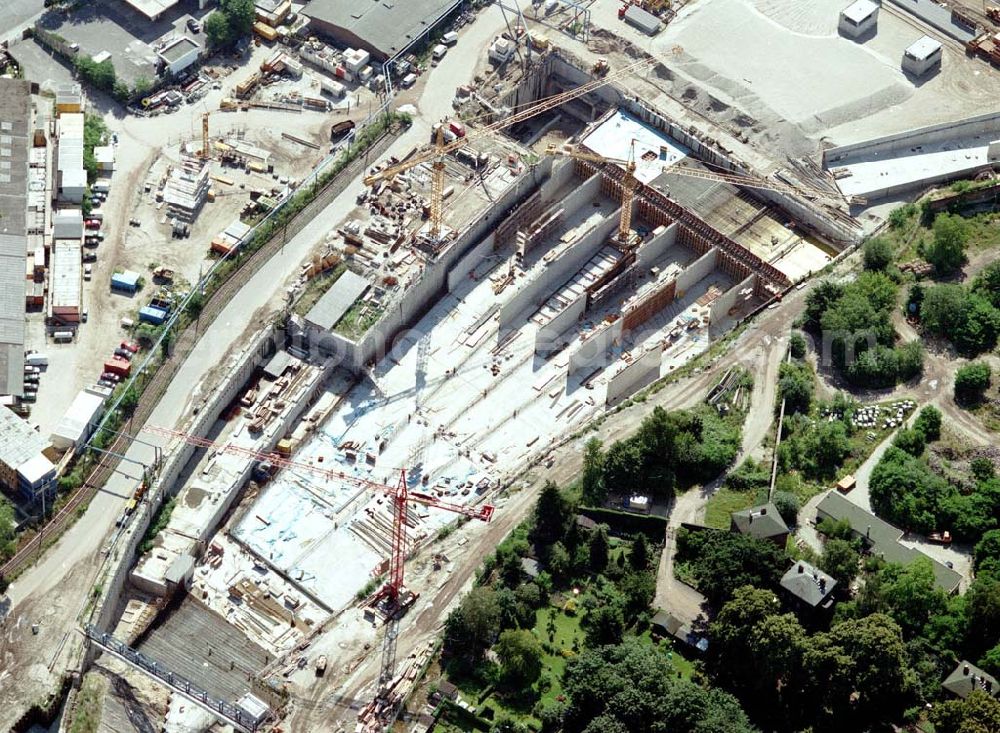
[(549, 339), (720, 308), (465, 265), (423, 291), (587, 191), (533, 293), (986, 125), (593, 353), (653, 250), (107, 608), (644, 370), (698, 270)]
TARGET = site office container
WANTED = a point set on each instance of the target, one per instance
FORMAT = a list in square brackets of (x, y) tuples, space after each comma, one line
[(36, 360), (121, 367), (62, 337), (152, 314)]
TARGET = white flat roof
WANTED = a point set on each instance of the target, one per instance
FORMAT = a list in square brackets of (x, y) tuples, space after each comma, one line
[(923, 47), (654, 150), (859, 10), (66, 271), (947, 158), (35, 469), (79, 415)]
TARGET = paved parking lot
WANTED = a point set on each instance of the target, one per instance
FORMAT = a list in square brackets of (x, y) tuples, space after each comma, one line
[(110, 25)]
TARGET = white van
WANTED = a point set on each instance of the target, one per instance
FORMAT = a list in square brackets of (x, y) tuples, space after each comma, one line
[(409, 80), (450, 38), (438, 52), (38, 360)]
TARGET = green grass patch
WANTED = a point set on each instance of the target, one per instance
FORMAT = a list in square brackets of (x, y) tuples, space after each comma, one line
[(89, 703), (358, 319), (159, 522), (726, 501)]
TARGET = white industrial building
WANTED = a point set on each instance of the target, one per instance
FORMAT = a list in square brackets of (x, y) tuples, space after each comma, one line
[(66, 284), (922, 57), (179, 54), (67, 224), (24, 466), (858, 18), (71, 175), (80, 419)]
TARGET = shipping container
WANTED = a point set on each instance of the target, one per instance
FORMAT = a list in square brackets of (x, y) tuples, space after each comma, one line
[(456, 127), (125, 282), (118, 366), (149, 314), (265, 31), (642, 19)]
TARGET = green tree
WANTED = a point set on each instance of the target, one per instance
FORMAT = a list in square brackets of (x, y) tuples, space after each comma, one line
[(634, 687), (910, 360), (605, 623), (551, 515), (787, 505), (986, 553), (858, 673), (217, 30), (797, 345), (723, 562), (942, 308), (232, 22), (987, 284), (982, 468), (471, 628), (912, 596), (795, 386), (818, 301), (599, 549), (639, 555), (978, 713), (947, 251), (971, 382), (560, 564), (877, 254), (928, 422), (8, 537), (840, 561), (592, 481), (910, 440), (520, 655)]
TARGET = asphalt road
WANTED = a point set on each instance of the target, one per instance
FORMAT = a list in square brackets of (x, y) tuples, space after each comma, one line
[(16, 15)]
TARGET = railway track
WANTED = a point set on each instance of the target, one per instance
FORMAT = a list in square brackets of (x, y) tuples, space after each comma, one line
[(184, 344)]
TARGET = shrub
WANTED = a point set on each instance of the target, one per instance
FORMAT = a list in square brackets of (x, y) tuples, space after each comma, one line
[(971, 381)]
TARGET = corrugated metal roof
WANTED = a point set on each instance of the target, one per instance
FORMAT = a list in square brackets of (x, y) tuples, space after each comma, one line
[(337, 300), (19, 442), (387, 26)]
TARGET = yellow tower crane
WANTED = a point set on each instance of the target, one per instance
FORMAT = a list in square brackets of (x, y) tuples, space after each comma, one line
[(435, 154), (629, 183)]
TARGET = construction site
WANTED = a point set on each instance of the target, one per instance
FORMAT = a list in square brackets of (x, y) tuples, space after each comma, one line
[(609, 193), (586, 262)]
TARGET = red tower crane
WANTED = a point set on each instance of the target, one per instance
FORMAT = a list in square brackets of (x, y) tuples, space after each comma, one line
[(400, 494)]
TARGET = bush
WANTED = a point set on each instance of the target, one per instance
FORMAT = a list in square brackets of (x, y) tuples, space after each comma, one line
[(795, 386), (928, 422), (972, 381), (877, 254), (787, 505), (947, 251), (910, 440), (797, 345)]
